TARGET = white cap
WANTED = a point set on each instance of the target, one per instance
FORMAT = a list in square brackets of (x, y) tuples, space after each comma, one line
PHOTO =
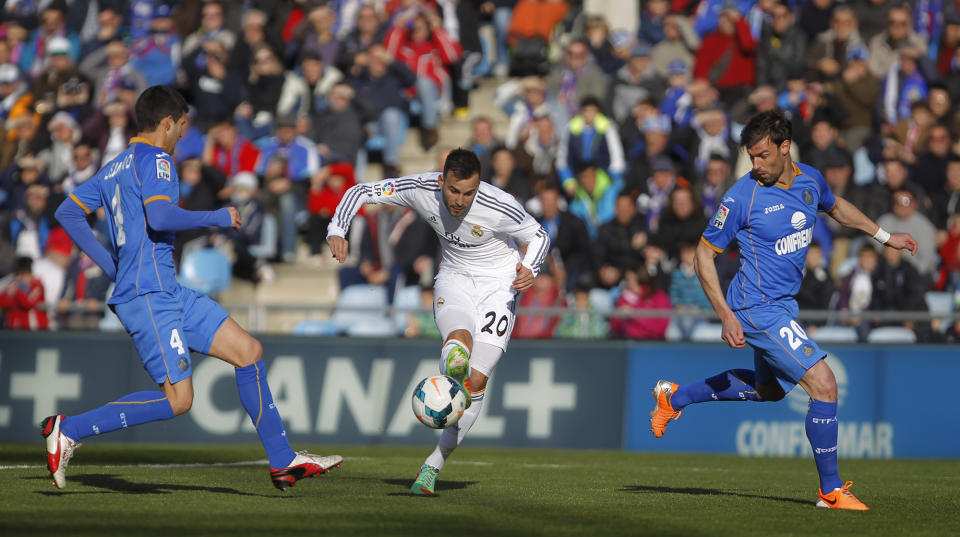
[(245, 180), (62, 117), (58, 45), (9, 73)]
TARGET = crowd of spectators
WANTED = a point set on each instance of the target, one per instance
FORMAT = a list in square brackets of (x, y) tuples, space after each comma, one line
[(620, 142)]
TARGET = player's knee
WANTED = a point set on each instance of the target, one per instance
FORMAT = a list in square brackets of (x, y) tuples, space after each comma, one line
[(250, 352), (464, 336), (181, 404)]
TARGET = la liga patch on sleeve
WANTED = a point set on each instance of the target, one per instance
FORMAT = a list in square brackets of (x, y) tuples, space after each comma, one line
[(163, 169), (720, 217)]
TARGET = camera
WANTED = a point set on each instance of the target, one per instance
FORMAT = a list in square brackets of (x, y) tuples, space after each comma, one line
[(73, 86)]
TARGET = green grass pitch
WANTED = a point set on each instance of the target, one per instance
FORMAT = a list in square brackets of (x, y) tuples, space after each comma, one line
[(184, 490)]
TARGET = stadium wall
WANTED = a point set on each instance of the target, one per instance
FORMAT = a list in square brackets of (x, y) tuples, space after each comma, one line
[(544, 394)]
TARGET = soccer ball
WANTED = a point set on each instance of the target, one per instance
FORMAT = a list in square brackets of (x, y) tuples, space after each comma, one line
[(438, 402)]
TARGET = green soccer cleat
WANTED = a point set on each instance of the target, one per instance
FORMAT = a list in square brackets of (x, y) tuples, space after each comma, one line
[(457, 364), (426, 481), (457, 367)]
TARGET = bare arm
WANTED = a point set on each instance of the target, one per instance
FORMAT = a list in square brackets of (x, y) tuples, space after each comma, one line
[(850, 216), (710, 281)]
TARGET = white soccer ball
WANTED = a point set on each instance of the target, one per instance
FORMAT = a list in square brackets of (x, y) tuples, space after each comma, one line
[(438, 402)]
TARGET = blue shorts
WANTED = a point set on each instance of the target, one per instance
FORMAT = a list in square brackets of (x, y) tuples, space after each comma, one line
[(166, 326), (781, 348)]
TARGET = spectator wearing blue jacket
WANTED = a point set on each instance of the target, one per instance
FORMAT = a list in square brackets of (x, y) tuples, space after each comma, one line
[(287, 161), (157, 54), (708, 13), (33, 59), (594, 197)]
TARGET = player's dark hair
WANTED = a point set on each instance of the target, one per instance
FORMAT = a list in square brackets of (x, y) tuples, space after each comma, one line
[(156, 103), (461, 163), (772, 123)]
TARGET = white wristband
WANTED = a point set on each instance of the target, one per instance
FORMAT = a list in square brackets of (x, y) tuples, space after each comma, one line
[(881, 236)]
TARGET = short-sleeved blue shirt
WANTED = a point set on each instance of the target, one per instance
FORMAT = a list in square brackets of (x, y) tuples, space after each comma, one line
[(142, 174), (773, 226)]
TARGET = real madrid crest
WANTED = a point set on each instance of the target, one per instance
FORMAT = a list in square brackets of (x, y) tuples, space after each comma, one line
[(477, 231), (440, 301)]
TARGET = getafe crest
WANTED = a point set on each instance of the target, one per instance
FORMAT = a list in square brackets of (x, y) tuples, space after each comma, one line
[(808, 196), (477, 231)]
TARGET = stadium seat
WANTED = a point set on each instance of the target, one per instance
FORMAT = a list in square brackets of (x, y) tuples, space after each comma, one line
[(939, 302), (206, 270), (359, 296), (673, 331), (707, 333), (601, 300), (316, 327), (373, 327), (404, 300), (835, 334), (891, 334)]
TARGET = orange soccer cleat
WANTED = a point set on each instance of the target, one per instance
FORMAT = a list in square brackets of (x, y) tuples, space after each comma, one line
[(841, 498), (663, 412)]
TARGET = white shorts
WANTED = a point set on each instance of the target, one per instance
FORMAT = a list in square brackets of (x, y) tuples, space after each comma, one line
[(485, 306)]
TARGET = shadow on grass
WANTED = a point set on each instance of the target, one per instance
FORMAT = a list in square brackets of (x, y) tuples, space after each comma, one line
[(117, 484), (694, 491), (441, 486)]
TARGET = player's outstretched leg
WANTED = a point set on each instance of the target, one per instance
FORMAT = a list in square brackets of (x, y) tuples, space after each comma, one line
[(62, 434), (235, 346), (451, 438), (671, 398), (286, 467), (822, 430), (425, 484)]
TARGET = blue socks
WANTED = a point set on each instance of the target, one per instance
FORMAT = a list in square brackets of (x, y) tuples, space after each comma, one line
[(257, 400), (732, 385), (822, 430), (128, 411)]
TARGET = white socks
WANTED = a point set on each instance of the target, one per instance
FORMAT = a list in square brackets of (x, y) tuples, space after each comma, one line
[(452, 436)]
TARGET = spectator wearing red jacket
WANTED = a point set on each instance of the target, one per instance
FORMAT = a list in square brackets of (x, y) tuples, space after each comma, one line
[(640, 294), (419, 41), (545, 293), (727, 57), (229, 152), (22, 300), (326, 191)]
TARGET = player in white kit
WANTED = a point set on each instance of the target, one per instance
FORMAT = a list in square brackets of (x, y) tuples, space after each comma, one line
[(480, 278)]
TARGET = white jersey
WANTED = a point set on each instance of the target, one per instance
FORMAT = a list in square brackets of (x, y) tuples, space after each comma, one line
[(477, 244)]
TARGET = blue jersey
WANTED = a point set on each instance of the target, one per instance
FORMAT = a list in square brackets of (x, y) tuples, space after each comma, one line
[(142, 174), (773, 227)]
